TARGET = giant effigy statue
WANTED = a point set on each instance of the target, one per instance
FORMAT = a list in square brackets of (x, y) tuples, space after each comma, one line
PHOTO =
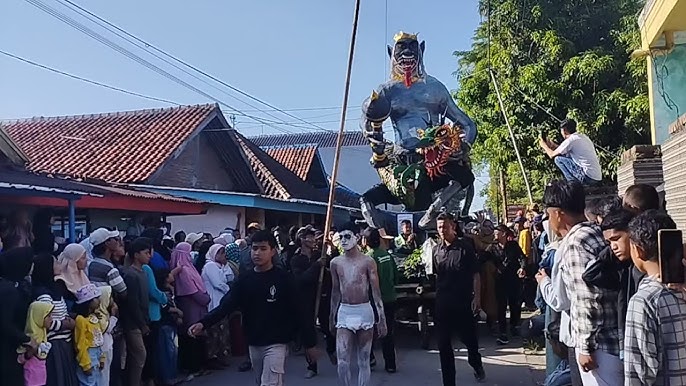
[(427, 167)]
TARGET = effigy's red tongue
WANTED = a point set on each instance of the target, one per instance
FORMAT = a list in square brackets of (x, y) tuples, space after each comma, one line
[(408, 77)]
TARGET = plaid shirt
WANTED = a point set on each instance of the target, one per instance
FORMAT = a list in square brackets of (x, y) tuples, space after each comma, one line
[(593, 310), (655, 328)]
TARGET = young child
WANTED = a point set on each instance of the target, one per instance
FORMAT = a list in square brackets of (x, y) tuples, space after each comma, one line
[(167, 344), (654, 337), (88, 336), (37, 323), (107, 315)]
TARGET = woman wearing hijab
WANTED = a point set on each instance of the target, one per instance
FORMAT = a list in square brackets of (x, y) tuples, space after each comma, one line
[(15, 265), (60, 360), (217, 275), (71, 266), (192, 299), (233, 257)]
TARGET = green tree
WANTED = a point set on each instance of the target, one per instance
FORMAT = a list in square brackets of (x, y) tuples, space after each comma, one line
[(570, 57)]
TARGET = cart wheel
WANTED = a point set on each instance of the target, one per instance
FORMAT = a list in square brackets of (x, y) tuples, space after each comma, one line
[(423, 317)]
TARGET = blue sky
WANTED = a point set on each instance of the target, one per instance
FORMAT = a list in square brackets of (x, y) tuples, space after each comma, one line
[(291, 54)]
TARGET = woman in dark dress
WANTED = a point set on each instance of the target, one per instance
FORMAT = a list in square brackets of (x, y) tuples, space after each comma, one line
[(15, 292), (61, 358)]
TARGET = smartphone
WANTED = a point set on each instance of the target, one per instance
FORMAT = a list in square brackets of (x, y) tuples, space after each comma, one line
[(670, 253)]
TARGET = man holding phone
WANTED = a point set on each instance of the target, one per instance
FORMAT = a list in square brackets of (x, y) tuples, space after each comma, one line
[(655, 336)]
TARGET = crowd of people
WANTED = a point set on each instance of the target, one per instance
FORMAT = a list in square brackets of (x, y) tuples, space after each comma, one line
[(123, 311), (120, 311), (607, 317)]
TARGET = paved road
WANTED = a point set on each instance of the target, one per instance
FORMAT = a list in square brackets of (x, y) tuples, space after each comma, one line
[(505, 366)]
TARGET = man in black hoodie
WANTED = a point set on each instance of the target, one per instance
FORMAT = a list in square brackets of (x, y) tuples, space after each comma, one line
[(268, 299)]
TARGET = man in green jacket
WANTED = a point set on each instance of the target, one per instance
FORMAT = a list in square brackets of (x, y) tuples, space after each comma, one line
[(377, 241)]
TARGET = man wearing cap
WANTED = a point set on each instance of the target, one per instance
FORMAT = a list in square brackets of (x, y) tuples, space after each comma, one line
[(378, 242), (107, 246), (305, 266)]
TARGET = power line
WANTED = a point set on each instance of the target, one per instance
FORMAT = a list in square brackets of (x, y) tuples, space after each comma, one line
[(100, 38), (172, 57), (93, 82), (145, 46)]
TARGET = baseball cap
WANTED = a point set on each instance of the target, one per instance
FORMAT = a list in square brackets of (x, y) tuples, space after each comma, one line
[(101, 235), (255, 226), (191, 238)]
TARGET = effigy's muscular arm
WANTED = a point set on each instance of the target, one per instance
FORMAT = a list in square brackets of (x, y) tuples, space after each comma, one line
[(375, 110), (459, 117)]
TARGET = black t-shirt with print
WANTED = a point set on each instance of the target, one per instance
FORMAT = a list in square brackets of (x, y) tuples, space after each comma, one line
[(271, 311)]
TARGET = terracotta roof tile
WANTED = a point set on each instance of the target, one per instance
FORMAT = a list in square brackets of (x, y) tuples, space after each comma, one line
[(297, 159), (276, 179), (116, 147), (322, 139)]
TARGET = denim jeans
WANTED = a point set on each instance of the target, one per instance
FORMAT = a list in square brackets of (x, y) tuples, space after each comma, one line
[(167, 354), (571, 171), (560, 376)]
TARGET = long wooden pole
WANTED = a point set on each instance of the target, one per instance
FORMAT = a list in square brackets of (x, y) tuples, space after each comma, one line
[(512, 137), (337, 156)]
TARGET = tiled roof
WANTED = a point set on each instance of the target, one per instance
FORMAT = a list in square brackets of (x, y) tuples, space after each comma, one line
[(297, 158), (116, 147), (276, 179), (323, 139)]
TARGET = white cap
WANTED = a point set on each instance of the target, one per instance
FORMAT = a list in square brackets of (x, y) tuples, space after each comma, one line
[(101, 235), (191, 238)]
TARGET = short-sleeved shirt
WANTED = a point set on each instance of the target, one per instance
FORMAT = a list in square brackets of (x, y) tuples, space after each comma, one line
[(455, 265), (581, 150)]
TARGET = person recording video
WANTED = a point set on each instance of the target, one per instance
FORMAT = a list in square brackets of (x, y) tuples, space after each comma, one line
[(575, 156)]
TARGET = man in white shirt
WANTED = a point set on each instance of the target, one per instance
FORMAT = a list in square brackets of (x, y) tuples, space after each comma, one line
[(575, 156)]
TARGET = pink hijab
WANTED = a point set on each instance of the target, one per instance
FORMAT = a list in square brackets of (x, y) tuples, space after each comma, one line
[(188, 280), (66, 269)]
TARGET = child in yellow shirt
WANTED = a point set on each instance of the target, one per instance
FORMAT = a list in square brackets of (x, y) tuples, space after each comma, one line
[(88, 337)]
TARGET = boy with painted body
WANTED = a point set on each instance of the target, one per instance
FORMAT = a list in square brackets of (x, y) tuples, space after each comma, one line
[(351, 310)]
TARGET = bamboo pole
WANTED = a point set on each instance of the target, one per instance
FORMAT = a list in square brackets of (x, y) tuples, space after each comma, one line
[(336, 159), (512, 137)]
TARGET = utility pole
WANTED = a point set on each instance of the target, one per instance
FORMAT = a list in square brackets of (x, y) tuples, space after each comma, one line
[(503, 193)]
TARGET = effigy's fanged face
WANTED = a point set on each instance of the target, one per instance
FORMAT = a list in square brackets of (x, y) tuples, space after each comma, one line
[(406, 55), (406, 58)]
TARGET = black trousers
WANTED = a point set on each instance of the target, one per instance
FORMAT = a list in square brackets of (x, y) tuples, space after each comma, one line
[(508, 293), (449, 318), (388, 342)]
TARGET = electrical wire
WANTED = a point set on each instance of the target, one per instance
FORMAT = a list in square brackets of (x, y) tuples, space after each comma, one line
[(90, 81), (118, 48), (148, 45)]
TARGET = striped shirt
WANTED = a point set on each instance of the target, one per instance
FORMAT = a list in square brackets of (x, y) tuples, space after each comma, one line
[(103, 273), (58, 314), (655, 336)]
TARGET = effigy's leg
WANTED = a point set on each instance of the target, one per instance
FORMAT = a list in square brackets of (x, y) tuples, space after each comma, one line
[(446, 195), (469, 198), (379, 194)]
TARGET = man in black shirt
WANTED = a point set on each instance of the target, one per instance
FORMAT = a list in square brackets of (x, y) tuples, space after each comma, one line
[(508, 282), (272, 315), (457, 298)]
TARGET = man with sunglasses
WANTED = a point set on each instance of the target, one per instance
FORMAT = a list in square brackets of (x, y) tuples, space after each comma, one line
[(353, 274)]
